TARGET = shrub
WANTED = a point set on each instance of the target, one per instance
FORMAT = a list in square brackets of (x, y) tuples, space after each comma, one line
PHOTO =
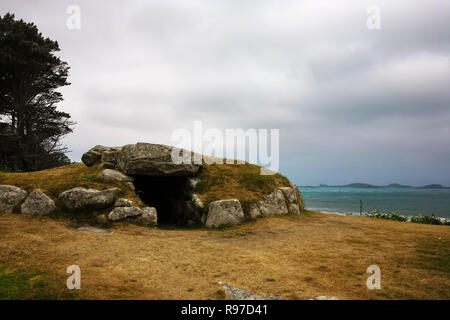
[(387, 215), (429, 220)]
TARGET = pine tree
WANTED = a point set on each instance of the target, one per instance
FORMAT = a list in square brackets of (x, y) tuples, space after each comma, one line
[(31, 127)]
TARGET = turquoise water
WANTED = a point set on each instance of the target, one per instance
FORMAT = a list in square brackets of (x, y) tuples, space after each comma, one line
[(404, 201)]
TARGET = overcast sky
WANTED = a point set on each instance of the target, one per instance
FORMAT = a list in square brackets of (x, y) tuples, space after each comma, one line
[(352, 104)]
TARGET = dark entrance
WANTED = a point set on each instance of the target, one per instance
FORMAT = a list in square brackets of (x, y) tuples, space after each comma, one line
[(167, 194)]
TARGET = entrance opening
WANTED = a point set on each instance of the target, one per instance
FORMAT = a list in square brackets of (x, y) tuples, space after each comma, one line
[(167, 194)]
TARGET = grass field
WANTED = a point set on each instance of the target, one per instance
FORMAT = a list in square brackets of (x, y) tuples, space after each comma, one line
[(296, 257)]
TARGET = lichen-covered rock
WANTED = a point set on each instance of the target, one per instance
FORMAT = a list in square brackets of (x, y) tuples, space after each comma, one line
[(82, 198), (148, 217), (289, 194), (240, 294), (294, 208), (10, 197), (114, 175), (38, 203), (152, 160), (254, 211), (274, 204), (121, 213), (122, 202), (110, 155), (94, 156), (224, 212), (299, 197)]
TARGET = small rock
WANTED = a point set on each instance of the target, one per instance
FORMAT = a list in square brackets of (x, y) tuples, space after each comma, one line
[(38, 203), (121, 213), (10, 197), (122, 202), (239, 294), (224, 212), (148, 217), (102, 219), (326, 298), (114, 175)]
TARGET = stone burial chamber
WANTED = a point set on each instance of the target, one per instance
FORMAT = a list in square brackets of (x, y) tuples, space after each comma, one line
[(149, 170), (169, 187), (172, 194)]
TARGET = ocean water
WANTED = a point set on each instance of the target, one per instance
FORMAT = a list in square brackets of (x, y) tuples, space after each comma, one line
[(405, 201)]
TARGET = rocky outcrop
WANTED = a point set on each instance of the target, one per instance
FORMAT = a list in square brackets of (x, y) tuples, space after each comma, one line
[(38, 203), (240, 294), (148, 217), (114, 175), (83, 199), (121, 213), (10, 198), (224, 213)]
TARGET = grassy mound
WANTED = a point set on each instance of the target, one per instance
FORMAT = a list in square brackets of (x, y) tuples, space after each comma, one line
[(237, 181), (215, 182), (54, 181)]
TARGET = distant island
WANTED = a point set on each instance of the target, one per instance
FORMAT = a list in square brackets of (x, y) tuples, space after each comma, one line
[(365, 185)]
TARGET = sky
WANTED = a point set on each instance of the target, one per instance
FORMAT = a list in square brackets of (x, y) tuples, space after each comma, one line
[(352, 104)]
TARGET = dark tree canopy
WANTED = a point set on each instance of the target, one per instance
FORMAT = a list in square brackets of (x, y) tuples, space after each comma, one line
[(31, 127)]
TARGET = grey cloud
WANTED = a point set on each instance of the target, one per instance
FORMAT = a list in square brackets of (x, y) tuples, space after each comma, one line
[(351, 104)]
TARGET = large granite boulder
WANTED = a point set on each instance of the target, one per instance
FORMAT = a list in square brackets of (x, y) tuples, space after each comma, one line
[(10, 197), (120, 213), (224, 213), (81, 198), (152, 160), (38, 203)]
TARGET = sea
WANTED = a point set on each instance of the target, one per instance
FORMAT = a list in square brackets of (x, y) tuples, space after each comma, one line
[(405, 201)]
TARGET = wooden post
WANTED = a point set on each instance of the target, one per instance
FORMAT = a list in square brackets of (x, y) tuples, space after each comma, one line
[(360, 207)]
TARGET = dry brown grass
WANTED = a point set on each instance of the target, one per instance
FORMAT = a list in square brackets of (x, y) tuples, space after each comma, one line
[(54, 181), (301, 257)]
